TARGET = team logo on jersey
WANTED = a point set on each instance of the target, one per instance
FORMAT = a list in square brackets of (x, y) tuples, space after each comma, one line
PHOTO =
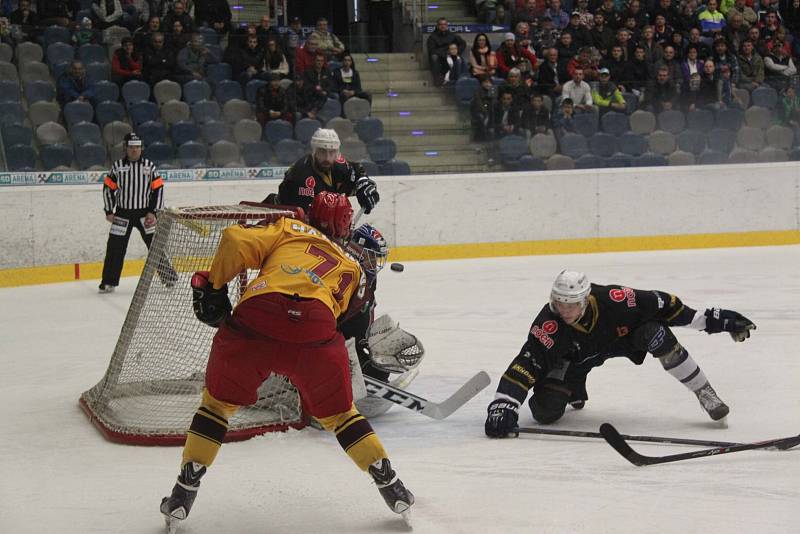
[(308, 190), (541, 335), (622, 331), (550, 327), (625, 293)]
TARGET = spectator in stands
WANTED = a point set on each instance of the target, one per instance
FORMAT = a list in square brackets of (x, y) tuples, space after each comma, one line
[(518, 89), (381, 24), (579, 92), (330, 45), (633, 30), (673, 65), (779, 39), (530, 12), (482, 108), (566, 48), (606, 96), (580, 33), (770, 25), (274, 59), (778, 69), (697, 95), (107, 13), (661, 94), (126, 63), (712, 22), (143, 35), (178, 12), (237, 37), (55, 12), (691, 65), (26, 19), (85, 33), (722, 57), (159, 8), (72, 85), (679, 44), (452, 66), (160, 62), (272, 101), (511, 55), (248, 63), (179, 39), (482, 60), (696, 40), (603, 36), (318, 78), (584, 60), (727, 98), (623, 38), (552, 74), (618, 68), (215, 14), (751, 67), (266, 31), (306, 56), (303, 102), (740, 7), (502, 17), (292, 41), (535, 117), (735, 32), (564, 122), (346, 81), (586, 15), (194, 58), (789, 107), (557, 15), (506, 116), (670, 12), (438, 43), (639, 72), (652, 50), (610, 14), (635, 10)]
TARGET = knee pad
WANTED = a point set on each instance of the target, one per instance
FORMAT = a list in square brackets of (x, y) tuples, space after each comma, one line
[(548, 404), (655, 338)]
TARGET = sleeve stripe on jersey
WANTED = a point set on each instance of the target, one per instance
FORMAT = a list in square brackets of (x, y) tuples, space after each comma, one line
[(516, 383), (158, 182), (111, 184), (671, 317)]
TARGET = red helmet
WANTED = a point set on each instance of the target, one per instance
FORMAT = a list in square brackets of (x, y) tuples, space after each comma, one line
[(332, 214)]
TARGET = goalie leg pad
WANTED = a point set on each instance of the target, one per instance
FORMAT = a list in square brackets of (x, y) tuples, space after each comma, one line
[(356, 437)]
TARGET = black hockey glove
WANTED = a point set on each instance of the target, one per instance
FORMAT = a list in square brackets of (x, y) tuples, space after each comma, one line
[(367, 194), (736, 324), (502, 419), (211, 306)]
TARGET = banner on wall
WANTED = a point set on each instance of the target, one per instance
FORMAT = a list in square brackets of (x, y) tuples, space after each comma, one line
[(169, 175)]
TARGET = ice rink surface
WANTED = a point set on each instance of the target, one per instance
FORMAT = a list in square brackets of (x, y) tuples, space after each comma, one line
[(57, 474)]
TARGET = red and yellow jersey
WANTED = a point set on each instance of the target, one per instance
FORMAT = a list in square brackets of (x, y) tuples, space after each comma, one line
[(293, 258)]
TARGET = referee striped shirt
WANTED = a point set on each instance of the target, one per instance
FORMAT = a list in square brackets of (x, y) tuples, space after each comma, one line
[(133, 185)]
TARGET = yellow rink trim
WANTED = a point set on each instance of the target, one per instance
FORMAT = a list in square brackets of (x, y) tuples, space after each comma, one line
[(92, 271)]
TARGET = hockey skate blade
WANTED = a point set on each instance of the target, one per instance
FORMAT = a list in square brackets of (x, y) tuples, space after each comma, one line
[(172, 524), (406, 515)]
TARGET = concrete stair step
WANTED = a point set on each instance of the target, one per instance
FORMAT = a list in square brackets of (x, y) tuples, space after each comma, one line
[(421, 119), (451, 13), (387, 66), (399, 86), (395, 75), (445, 160), (403, 101), (466, 150), (393, 130), (394, 56), (436, 141), (425, 168)]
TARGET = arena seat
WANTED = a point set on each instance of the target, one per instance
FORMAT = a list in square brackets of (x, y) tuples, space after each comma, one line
[(384, 149), (305, 128), (152, 131), (573, 145), (91, 155), (105, 90), (192, 154), (672, 121), (257, 154), (615, 123), (632, 144), (369, 128), (77, 111), (134, 91), (691, 141), (603, 144), (143, 111), (356, 108), (85, 132), (287, 151), (277, 130), (56, 155), (21, 158), (183, 132)]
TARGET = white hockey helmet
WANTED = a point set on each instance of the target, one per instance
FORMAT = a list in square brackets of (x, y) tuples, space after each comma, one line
[(570, 287), (326, 139)]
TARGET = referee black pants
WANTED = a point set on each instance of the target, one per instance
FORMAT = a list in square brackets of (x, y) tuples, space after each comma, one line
[(117, 245)]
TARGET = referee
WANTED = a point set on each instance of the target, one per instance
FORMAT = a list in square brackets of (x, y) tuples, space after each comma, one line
[(132, 192)]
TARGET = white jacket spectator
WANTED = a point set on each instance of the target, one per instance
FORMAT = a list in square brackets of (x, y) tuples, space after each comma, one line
[(579, 91)]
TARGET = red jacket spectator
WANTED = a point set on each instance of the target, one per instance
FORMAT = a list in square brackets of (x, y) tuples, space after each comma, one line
[(304, 59), (510, 57)]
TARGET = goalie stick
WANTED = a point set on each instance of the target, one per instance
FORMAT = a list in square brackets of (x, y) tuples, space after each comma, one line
[(649, 439), (616, 440), (435, 410)]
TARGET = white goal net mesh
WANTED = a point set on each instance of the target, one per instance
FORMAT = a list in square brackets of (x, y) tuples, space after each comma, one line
[(152, 387)]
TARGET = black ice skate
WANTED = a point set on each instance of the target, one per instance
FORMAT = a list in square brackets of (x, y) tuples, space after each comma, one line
[(711, 402), (176, 507), (106, 288), (397, 497)]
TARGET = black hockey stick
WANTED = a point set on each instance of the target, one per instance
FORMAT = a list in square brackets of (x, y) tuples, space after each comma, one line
[(435, 410), (650, 439), (619, 444)]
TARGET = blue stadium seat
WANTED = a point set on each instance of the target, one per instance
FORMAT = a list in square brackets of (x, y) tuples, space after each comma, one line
[(511, 147), (11, 113), (586, 123), (214, 131), (90, 155), (21, 158), (672, 121), (330, 109), (192, 154), (151, 132), (692, 141), (370, 167), (16, 134), (369, 129), (56, 155), (96, 72), (712, 157), (573, 145), (590, 161), (56, 34), (85, 132), (135, 91), (143, 111), (603, 144), (217, 72), (205, 111), (106, 91), (631, 102), (305, 128), (58, 69), (621, 159), (615, 123), (701, 120), (184, 131), (92, 53), (395, 168), (59, 53), (632, 144), (109, 111), (257, 154), (160, 153), (210, 37), (9, 91), (287, 151), (384, 149), (650, 159), (730, 118), (764, 96), (77, 111), (196, 90), (465, 90), (275, 131), (39, 90), (721, 140), (226, 90), (531, 163), (252, 88)]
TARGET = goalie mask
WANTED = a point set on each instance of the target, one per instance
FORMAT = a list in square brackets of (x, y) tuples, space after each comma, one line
[(369, 247)]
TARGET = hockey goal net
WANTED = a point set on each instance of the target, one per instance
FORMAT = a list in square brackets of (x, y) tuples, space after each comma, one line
[(153, 384)]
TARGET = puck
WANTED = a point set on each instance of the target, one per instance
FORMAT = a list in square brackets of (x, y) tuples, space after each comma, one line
[(398, 267)]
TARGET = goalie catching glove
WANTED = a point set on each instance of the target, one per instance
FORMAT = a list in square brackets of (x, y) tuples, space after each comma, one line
[(211, 306), (736, 324), (501, 421)]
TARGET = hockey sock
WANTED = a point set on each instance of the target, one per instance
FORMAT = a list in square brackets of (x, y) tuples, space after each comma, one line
[(680, 364), (356, 437), (208, 429)]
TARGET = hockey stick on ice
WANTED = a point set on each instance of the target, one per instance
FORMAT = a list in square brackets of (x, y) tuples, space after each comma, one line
[(619, 444), (435, 410), (650, 439)]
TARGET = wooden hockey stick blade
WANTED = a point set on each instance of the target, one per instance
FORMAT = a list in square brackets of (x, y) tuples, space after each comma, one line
[(649, 439), (615, 439), (434, 410)]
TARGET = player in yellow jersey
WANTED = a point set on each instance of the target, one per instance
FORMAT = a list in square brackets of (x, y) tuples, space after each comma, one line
[(285, 323)]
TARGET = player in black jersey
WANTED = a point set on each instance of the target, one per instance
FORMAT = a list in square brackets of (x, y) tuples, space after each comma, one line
[(585, 324)]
